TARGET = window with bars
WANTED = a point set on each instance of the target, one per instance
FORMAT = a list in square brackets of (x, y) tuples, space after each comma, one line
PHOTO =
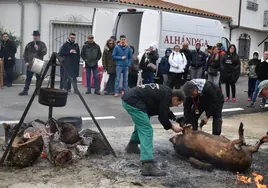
[(265, 19), (252, 6), (244, 46)]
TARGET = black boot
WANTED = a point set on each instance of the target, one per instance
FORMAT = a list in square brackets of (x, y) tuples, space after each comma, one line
[(97, 92), (149, 168), (132, 147), (88, 91), (23, 93)]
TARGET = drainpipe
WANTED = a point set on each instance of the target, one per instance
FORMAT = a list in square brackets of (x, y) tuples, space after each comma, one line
[(21, 31), (39, 14), (238, 24)]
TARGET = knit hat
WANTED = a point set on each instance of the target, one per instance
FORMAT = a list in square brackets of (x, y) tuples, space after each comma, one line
[(188, 88)]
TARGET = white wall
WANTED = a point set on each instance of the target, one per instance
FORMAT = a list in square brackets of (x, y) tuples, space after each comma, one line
[(11, 23), (254, 19), (226, 8), (256, 38), (52, 12), (30, 22)]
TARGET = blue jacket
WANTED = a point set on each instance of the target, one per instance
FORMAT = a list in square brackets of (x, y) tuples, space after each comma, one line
[(120, 51)]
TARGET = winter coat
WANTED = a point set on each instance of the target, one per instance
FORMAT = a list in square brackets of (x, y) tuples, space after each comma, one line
[(120, 51), (188, 55), (231, 68), (198, 59), (8, 49), (209, 100), (135, 67), (262, 70), (71, 60), (152, 99), (108, 62), (148, 57), (250, 69), (163, 67), (91, 54), (177, 61), (212, 63), (30, 52)]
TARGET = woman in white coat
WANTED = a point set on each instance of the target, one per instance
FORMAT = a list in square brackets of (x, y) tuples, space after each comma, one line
[(178, 62)]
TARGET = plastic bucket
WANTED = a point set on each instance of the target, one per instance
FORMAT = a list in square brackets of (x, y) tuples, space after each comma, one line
[(76, 121)]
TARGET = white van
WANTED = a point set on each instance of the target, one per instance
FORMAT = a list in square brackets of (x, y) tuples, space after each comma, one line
[(142, 27)]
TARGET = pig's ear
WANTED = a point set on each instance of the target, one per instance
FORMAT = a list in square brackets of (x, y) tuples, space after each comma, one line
[(173, 139), (5, 125)]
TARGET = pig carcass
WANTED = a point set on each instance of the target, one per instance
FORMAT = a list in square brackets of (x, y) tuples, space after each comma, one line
[(204, 150)]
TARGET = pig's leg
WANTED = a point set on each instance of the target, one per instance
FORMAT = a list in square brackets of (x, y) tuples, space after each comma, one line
[(241, 133), (199, 164), (224, 138)]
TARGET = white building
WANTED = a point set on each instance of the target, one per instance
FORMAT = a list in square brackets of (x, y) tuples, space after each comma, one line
[(56, 19), (249, 20)]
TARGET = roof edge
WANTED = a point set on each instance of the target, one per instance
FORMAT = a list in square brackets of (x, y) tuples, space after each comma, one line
[(192, 11)]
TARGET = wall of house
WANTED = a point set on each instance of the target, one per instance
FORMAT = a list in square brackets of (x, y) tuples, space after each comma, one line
[(227, 7), (256, 38), (11, 23), (254, 19)]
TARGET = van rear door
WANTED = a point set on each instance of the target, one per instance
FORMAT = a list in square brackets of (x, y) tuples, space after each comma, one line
[(150, 29), (102, 26)]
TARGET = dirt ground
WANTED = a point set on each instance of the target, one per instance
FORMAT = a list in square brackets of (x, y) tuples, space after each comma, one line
[(123, 171)]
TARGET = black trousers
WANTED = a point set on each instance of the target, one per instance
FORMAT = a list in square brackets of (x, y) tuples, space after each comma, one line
[(251, 86), (217, 119), (111, 82), (132, 80), (227, 88), (175, 80)]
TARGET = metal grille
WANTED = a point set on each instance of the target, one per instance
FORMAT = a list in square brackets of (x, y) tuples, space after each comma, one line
[(60, 33), (244, 46)]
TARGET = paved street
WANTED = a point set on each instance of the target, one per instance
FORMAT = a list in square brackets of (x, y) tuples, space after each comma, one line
[(107, 109)]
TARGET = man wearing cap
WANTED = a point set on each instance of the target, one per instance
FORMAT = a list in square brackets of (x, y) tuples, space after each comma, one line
[(91, 54), (263, 92), (34, 49), (203, 96), (263, 89)]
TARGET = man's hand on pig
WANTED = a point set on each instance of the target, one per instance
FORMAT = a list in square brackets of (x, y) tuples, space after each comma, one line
[(176, 128), (264, 138)]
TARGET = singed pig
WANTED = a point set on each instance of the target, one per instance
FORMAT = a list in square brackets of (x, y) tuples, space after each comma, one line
[(205, 150)]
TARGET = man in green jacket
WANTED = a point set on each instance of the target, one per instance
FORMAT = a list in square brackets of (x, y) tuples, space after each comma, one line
[(91, 54), (142, 102)]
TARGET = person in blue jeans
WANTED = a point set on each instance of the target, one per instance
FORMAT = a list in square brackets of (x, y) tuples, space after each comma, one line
[(123, 56), (261, 71)]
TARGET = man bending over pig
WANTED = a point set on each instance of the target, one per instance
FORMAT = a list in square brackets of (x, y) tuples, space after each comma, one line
[(263, 92), (203, 96), (144, 101)]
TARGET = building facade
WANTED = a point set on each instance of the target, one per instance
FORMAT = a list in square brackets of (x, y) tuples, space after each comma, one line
[(249, 25), (56, 19)]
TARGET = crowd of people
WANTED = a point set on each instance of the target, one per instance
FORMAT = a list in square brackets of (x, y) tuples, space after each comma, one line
[(178, 65)]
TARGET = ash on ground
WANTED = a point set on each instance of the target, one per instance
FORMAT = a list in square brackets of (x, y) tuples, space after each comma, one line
[(124, 171)]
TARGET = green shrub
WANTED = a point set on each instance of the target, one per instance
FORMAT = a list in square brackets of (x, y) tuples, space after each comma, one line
[(11, 36)]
